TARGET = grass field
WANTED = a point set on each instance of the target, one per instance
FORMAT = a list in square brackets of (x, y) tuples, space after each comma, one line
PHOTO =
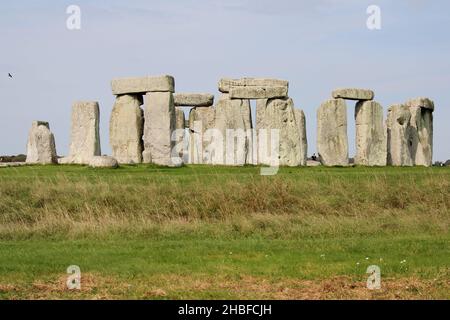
[(218, 232)]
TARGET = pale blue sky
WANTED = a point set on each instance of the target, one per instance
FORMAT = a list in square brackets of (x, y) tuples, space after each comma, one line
[(316, 45)]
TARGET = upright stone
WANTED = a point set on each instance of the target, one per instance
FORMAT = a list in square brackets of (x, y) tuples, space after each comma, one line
[(233, 138), (399, 132), (126, 128), (421, 139), (41, 144), (301, 124), (371, 143), (159, 124), (201, 147), (279, 117), (180, 144), (85, 133), (332, 141)]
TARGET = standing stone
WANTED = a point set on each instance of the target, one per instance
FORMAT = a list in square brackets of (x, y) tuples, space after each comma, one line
[(125, 129), (159, 124), (85, 133), (301, 124), (233, 123), (180, 132), (421, 140), (332, 141), (371, 143), (41, 144), (280, 114), (201, 120), (398, 136)]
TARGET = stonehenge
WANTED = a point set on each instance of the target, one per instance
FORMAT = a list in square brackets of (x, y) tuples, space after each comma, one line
[(159, 123), (371, 143), (126, 128), (85, 134), (332, 141), (148, 124), (410, 133), (41, 144), (280, 114)]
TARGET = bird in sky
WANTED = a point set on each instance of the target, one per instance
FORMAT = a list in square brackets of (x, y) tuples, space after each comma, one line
[(10, 75)]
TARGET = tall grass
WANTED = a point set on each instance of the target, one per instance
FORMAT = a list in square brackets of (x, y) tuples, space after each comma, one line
[(66, 200)]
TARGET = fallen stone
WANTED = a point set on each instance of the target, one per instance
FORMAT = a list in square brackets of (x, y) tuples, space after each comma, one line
[(41, 144), (371, 142), (103, 162), (85, 134), (332, 141), (280, 115), (143, 85), (225, 84), (159, 123), (399, 132), (421, 103), (126, 128), (313, 163), (193, 99), (353, 94)]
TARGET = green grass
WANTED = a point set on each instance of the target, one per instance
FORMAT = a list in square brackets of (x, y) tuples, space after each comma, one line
[(223, 232)]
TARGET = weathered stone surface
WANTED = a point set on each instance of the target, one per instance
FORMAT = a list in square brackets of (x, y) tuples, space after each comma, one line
[(143, 85), (201, 119), (421, 136), (180, 144), (353, 94), (126, 128), (371, 141), (398, 136), (159, 113), (258, 92), (193, 99), (313, 163), (421, 103), (233, 141), (332, 141), (225, 84), (103, 162), (41, 144), (280, 114), (85, 134), (300, 119)]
